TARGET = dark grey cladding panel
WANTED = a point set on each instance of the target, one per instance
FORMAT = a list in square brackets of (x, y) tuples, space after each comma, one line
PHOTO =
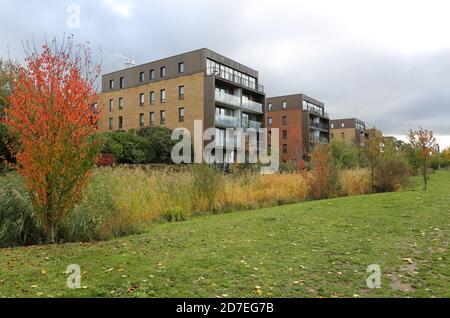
[(194, 62), (231, 63)]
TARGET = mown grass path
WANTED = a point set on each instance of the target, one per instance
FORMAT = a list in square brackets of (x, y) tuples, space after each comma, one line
[(309, 249)]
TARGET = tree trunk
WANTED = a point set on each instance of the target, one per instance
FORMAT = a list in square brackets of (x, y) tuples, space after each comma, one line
[(51, 234)]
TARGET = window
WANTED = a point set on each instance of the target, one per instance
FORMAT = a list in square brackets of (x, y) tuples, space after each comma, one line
[(163, 95), (269, 121), (141, 120), (181, 115), (111, 84), (285, 148), (342, 125), (181, 92), (152, 75), (343, 135), (162, 116), (181, 67), (141, 77), (122, 82), (152, 118), (284, 120), (120, 122), (284, 105), (111, 105), (141, 99), (152, 98), (111, 123), (269, 107), (120, 102), (162, 72), (332, 126), (285, 134)]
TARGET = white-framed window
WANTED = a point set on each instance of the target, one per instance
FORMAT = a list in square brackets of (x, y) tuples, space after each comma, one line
[(163, 95), (141, 99), (284, 105), (342, 125), (181, 67)]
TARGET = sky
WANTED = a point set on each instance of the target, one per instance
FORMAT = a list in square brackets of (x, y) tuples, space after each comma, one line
[(384, 62)]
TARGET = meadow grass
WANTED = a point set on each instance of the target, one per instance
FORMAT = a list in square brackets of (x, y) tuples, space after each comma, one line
[(310, 249)]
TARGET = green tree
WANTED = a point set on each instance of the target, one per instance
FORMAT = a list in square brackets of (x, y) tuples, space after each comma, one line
[(159, 139), (346, 154), (372, 155), (424, 145)]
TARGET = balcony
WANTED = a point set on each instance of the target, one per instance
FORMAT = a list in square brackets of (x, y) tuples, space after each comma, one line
[(226, 121), (234, 78), (252, 106), (320, 126), (319, 112), (318, 140), (228, 99)]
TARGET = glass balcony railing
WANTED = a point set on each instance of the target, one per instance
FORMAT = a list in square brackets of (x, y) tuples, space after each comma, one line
[(320, 126), (228, 99), (319, 140), (226, 121), (234, 78), (252, 106)]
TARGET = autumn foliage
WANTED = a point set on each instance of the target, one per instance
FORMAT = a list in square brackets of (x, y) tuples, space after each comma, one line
[(51, 112)]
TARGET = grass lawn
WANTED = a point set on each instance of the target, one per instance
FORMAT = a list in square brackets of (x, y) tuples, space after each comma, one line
[(309, 249)]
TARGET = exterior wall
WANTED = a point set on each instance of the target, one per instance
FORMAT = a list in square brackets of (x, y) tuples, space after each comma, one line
[(352, 134), (349, 134), (299, 122), (193, 103), (294, 133)]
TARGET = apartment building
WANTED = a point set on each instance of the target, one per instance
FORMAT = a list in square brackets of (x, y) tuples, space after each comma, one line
[(302, 122), (349, 130), (175, 91)]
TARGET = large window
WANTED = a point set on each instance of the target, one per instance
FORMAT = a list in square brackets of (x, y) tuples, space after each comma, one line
[(230, 74)]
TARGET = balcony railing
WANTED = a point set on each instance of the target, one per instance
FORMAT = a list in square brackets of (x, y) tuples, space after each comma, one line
[(226, 121), (228, 99), (234, 78), (319, 140), (318, 112), (252, 106), (320, 126)]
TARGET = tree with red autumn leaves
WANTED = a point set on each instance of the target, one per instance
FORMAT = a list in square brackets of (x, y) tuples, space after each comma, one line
[(52, 114), (424, 146)]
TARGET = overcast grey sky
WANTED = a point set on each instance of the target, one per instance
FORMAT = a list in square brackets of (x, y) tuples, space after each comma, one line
[(385, 62)]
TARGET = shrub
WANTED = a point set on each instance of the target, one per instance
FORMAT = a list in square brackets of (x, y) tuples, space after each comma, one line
[(323, 179), (392, 173), (18, 226), (355, 182), (174, 215), (345, 154)]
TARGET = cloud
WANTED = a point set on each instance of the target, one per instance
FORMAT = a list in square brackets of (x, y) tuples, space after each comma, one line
[(120, 7), (385, 62)]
